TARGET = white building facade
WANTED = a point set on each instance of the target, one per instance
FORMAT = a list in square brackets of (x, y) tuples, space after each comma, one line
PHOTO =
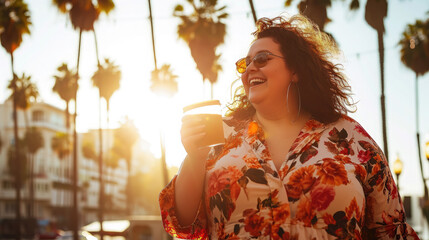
[(52, 175)]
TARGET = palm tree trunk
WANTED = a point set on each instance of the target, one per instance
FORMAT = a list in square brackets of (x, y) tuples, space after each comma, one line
[(253, 11), (153, 37), (75, 215), (31, 208), (100, 171), (128, 190), (163, 161), (109, 177), (426, 197), (67, 117), (382, 98), (17, 158), (96, 47)]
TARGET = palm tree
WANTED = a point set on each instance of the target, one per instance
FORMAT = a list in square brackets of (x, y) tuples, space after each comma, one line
[(34, 141), (14, 23), (375, 12), (315, 10), (61, 145), (253, 11), (25, 91), (83, 14), (106, 79), (203, 31), (413, 55), (164, 83), (1, 143), (22, 154), (124, 139), (66, 87)]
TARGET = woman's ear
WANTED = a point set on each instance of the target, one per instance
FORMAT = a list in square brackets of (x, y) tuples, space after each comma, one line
[(295, 77)]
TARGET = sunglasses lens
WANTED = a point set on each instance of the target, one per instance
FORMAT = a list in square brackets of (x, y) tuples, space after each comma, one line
[(241, 65), (260, 60)]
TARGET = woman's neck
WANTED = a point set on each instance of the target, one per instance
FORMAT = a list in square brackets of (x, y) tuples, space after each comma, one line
[(281, 123)]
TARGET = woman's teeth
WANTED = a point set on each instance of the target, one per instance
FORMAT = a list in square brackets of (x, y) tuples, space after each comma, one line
[(256, 81)]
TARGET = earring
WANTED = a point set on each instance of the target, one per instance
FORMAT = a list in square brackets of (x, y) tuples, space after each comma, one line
[(299, 100)]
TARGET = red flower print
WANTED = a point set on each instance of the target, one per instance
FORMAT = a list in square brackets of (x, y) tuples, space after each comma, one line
[(321, 197), (220, 178), (332, 173), (281, 213), (391, 222), (254, 224), (362, 131), (305, 212), (364, 156)]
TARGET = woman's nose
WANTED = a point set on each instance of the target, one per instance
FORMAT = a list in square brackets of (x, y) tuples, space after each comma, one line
[(251, 67)]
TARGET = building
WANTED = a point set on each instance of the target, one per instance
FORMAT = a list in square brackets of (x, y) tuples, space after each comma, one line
[(52, 173)]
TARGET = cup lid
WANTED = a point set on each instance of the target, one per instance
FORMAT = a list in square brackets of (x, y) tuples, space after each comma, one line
[(201, 104)]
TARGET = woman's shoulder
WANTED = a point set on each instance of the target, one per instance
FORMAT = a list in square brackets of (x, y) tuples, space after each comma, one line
[(354, 130)]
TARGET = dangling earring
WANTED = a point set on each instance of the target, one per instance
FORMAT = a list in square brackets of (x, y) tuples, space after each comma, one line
[(299, 100)]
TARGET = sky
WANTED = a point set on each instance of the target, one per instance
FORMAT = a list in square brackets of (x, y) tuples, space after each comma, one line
[(124, 37)]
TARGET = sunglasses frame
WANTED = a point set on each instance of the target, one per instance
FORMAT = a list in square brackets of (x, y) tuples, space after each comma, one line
[(239, 64)]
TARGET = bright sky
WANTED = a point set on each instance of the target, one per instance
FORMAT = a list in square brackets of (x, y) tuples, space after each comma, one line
[(124, 37)]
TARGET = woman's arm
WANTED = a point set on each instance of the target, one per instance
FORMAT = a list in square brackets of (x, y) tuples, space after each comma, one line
[(190, 179)]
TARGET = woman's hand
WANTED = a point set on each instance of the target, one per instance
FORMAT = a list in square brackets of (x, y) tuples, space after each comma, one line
[(192, 134)]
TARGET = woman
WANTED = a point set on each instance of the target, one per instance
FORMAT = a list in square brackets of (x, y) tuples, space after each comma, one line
[(293, 166)]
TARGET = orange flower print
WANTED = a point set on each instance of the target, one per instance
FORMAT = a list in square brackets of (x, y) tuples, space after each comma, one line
[(343, 158), (360, 172), (328, 219), (305, 212), (281, 213), (254, 224), (311, 125), (166, 198), (235, 191), (220, 178), (321, 197), (353, 208), (300, 181), (332, 173), (252, 161)]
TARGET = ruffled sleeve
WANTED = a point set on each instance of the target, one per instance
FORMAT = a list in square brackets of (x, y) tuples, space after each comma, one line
[(385, 216), (197, 230)]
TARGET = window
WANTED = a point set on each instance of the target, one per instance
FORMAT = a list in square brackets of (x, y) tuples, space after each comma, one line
[(38, 116), (9, 207)]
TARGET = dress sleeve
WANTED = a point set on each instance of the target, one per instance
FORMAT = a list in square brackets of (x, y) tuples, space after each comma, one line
[(197, 230), (384, 214)]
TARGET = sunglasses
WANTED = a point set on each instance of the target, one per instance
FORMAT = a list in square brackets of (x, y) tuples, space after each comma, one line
[(259, 60)]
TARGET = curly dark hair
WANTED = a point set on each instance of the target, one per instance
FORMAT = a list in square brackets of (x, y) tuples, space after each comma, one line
[(324, 89)]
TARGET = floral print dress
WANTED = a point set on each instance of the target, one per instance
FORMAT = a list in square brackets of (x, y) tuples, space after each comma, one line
[(335, 183)]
